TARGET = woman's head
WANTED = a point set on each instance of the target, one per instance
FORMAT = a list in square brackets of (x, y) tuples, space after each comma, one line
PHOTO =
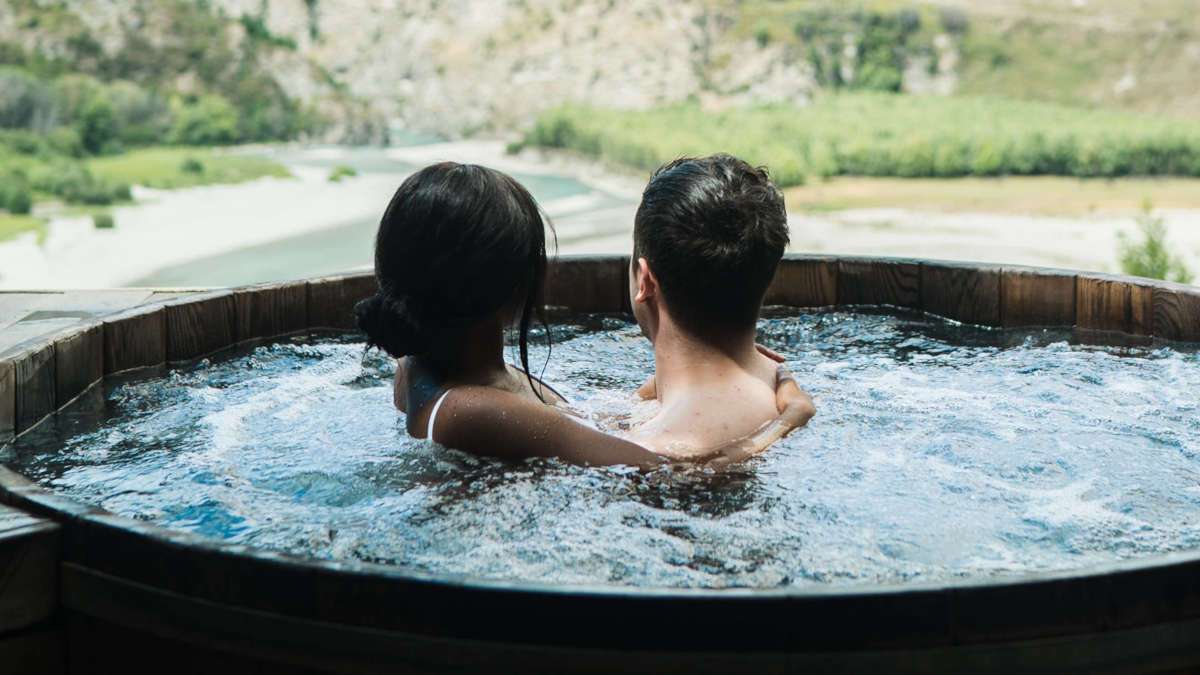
[(457, 245)]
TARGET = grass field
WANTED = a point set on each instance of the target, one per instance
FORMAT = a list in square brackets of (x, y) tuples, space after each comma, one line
[(158, 167), (11, 226), (1024, 195), (877, 134), (172, 167)]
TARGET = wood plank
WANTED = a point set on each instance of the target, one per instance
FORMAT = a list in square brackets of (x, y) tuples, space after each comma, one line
[(29, 555), (589, 283), (804, 282), (35, 383), (331, 300), (1177, 312), (199, 326), (28, 332), (967, 293), (1141, 308), (270, 310), (1036, 297), (8, 401), (879, 282), (135, 339), (1103, 302), (78, 363)]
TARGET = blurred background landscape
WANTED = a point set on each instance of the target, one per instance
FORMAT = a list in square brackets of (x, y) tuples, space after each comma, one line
[(194, 143)]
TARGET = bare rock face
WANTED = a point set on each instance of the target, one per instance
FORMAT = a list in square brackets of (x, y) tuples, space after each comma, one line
[(934, 74), (460, 66), (464, 66)]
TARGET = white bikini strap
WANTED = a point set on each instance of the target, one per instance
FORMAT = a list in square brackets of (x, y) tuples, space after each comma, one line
[(433, 415)]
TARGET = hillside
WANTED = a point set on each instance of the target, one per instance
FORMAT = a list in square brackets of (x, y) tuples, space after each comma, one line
[(462, 66)]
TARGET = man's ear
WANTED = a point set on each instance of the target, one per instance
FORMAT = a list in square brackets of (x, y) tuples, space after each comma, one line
[(647, 283)]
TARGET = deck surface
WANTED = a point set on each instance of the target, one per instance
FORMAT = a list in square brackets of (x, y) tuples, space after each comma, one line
[(29, 315)]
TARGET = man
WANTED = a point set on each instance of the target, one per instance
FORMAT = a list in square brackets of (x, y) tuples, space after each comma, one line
[(708, 236)]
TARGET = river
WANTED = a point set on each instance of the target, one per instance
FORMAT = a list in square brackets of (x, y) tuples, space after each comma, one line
[(280, 229)]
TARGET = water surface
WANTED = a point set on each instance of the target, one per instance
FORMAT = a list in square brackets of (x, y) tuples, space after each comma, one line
[(940, 452)]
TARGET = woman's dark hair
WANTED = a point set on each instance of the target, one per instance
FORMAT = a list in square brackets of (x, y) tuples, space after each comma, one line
[(457, 243)]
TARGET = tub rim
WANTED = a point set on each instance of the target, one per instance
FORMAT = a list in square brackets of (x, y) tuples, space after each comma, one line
[(254, 313)]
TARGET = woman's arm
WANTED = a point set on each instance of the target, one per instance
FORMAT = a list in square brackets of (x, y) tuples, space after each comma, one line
[(496, 423)]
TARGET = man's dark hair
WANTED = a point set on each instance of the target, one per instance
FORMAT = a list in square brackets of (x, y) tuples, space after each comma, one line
[(713, 230)]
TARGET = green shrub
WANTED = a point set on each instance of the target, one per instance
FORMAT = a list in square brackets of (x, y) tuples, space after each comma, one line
[(210, 120), (103, 221), (26, 102), (97, 124), (15, 194), (762, 36), (341, 172), (20, 201), (192, 165), (881, 134), (76, 185), (1149, 256), (65, 141), (257, 29)]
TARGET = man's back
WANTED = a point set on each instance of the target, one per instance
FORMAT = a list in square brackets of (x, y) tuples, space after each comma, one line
[(707, 401)]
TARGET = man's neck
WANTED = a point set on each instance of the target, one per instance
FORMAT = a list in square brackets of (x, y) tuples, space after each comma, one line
[(685, 362)]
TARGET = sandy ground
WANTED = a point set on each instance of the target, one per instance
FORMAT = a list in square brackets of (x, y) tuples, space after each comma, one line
[(168, 228)]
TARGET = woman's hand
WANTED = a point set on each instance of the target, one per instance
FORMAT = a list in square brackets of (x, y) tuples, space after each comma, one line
[(649, 390), (770, 353)]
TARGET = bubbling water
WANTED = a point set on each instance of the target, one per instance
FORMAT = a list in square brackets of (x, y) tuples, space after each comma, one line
[(939, 452)]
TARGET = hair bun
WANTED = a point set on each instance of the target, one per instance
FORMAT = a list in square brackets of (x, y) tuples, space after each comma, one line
[(391, 324)]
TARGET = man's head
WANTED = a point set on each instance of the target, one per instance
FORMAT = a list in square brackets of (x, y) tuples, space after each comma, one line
[(707, 238)]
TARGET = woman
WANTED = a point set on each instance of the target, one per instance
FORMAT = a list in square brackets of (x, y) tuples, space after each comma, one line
[(460, 254)]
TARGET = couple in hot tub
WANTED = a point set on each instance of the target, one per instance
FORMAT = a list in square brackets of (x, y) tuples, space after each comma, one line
[(461, 254)]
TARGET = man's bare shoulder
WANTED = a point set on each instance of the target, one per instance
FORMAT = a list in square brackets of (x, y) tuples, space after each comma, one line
[(709, 417)]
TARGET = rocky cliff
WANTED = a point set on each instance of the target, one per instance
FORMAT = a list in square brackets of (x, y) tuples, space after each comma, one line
[(458, 67)]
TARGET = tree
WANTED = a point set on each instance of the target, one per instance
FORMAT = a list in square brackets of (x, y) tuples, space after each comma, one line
[(97, 124), (210, 120)]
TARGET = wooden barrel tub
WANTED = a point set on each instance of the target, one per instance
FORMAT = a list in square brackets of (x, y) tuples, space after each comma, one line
[(83, 590)]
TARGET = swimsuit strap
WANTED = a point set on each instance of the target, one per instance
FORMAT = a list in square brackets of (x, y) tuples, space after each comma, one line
[(433, 415)]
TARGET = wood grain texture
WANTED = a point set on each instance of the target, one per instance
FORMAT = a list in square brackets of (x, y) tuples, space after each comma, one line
[(269, 311), (1103, 302), (331, 300), (804, 282), (1036, 297), (78, 362), (29, 549), (588, 284), (966, 293), (199, 326), (8, 401), (135, 339), (35, 383), (1141, 308), (879, 282), (1177, 312)]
